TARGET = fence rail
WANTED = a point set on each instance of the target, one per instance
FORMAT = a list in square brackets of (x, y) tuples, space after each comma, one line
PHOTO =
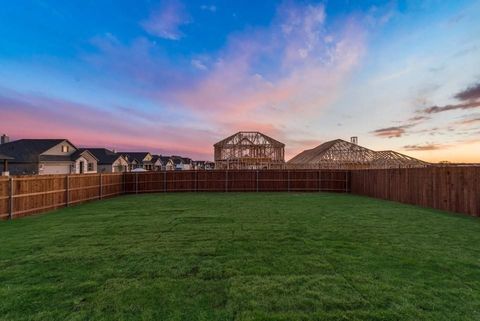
[(27, 195)]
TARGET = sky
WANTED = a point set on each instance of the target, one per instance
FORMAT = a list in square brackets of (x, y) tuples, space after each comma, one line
[(176, 76)]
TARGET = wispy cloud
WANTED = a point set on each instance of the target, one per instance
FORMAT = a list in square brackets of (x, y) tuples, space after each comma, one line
[(469, 99), (166, 21), (461, 106), (425, 147), (206, 7), (471, 93), (391, 132), (305, 71)]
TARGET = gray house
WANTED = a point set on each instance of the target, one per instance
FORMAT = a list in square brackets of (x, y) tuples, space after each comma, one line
[(138, 160), (46, 156), (108, 161)]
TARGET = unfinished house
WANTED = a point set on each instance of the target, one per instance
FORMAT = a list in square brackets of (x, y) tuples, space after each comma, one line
[(249, 150), (340, 154)]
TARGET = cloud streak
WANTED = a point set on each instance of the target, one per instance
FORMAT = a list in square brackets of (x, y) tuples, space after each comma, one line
[(391, 132), (166, 21)]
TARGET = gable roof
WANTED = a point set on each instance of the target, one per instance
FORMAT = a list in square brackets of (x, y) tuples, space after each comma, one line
[(104, 156), (343, 151), (29, 150), (339, 152), (139, 156), (81, 152), (248, 138)]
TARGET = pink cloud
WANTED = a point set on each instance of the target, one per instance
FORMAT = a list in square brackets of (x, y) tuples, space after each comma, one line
[(309, 69), (27, 116)]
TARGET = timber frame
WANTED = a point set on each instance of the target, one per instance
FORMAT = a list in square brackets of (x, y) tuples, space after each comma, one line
[(249, 150), (340, 154)]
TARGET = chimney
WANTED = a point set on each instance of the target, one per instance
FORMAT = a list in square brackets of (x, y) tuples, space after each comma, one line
[(114, 151), (354, 140), (4, 139)]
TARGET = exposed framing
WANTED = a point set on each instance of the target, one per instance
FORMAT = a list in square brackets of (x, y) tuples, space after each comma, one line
[(249, 150)]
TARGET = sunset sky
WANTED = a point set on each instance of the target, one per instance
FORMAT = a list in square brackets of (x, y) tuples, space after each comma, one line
[(174, 77)]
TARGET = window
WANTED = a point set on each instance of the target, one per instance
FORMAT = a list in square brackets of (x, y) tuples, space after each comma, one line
[(90, 167), (65, 148)]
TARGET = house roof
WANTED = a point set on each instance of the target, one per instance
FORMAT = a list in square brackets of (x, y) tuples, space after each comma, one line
[(104, 156), (29, 150), (249, 138), (139, 156), (339, 152), (177, 160), (81, 152)]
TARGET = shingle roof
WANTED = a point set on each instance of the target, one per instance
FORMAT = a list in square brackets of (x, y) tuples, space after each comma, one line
[(139, 156), (104, 156), (29, 150)]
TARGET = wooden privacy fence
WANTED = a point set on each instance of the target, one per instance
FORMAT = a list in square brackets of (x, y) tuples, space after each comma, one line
[(26, 195), (238, 181), (455, 189)]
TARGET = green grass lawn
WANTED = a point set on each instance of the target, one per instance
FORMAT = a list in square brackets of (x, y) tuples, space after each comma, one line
[(233, 256)]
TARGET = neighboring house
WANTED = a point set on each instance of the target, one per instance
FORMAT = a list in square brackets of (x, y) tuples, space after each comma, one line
[(203, 165), (84, 162), (169, 164), (209, 165), (187, 163), (138, 160), (47, 156), (177, 163), (108, 161), (198, 165)]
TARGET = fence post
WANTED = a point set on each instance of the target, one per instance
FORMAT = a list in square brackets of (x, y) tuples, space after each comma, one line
[(100, 187), (10, 211), (67, 191), (136, 183), (257, 180), (226, 180)]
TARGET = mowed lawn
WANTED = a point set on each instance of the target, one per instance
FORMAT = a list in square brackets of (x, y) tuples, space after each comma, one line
[(234, 256)]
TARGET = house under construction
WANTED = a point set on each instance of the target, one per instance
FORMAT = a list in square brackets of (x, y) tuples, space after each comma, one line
[(340, 154), (249, 150)]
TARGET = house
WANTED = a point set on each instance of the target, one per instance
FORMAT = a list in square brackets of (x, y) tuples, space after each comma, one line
[(138, 160), (209, 165), (198, 165), (187, 163), (46, 156), (170, 164), (108, 161), (178, 164), (84, 162), (160, 163)]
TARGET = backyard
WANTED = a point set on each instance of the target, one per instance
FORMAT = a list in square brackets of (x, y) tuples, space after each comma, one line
[(241, 256)]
